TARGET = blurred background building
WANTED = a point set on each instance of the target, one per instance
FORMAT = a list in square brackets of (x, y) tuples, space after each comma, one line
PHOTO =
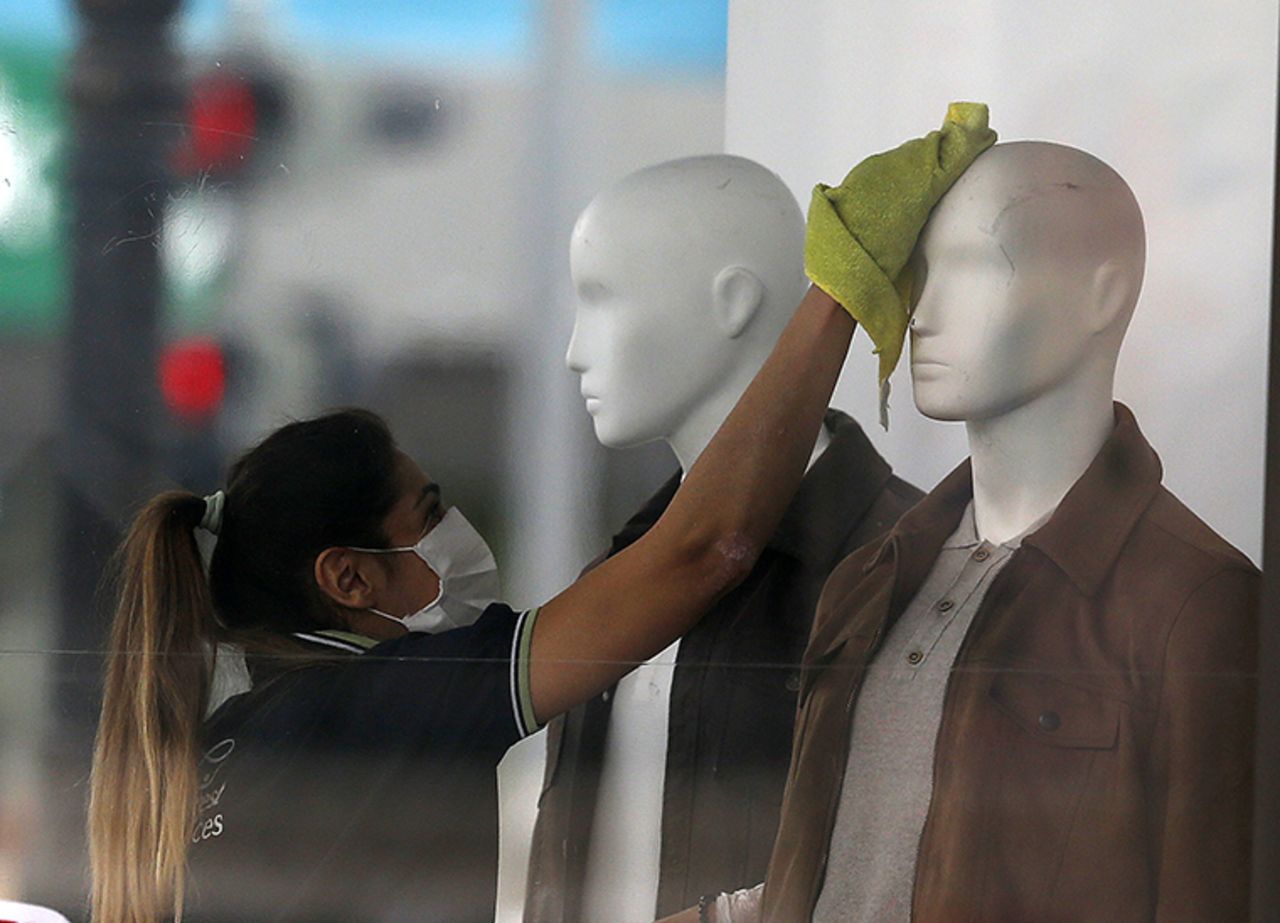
[(359, 204)]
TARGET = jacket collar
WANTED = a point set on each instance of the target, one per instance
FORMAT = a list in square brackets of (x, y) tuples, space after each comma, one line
[(1097, 515), (835, 494), (1082, 538)]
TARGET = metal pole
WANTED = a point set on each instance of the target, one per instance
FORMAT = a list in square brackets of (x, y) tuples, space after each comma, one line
[(557, 474), (123, 97), (1266, 836)]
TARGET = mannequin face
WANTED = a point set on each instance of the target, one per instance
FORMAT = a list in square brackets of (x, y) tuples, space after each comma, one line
[(644, 344), (998, 319)]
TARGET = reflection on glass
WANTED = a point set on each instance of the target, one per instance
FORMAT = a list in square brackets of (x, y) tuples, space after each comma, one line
[(324, 204)]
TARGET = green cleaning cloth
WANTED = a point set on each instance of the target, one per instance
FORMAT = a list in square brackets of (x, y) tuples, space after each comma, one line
[(861, 233)]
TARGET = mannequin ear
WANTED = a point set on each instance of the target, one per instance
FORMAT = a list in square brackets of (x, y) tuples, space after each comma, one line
[(736, 296), (341, 575), (1113, 294)]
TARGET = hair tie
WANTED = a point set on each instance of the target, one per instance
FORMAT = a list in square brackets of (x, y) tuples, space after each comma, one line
[(213, 505)]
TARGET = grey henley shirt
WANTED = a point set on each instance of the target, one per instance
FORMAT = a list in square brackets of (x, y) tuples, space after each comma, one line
[(888, 781)]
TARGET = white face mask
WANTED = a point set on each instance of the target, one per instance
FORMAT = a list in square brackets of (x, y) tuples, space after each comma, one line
[(468, 574)]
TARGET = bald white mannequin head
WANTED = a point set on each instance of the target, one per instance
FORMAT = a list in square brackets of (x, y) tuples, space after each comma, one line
[(1028, 273), (686, 273)]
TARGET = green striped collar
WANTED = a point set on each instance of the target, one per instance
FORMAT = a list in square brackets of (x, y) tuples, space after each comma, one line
[(336, 638)]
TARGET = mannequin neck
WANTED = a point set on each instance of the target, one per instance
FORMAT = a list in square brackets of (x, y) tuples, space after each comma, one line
[(691, 438), (1026, 460)]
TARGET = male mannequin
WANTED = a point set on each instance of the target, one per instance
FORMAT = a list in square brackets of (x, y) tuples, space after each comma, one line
[(669, 786), (1086, 751)]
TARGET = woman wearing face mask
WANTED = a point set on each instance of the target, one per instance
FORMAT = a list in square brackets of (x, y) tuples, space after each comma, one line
[(370, 683)]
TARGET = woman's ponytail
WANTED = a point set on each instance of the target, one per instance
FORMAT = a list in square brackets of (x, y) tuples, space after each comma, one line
[(308, 486), (144, 787)]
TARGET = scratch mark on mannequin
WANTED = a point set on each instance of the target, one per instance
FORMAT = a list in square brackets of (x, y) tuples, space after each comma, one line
[(1038, 192), (1013, 270)]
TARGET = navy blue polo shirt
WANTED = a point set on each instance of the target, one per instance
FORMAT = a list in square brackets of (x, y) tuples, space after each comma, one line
[(363, 787)]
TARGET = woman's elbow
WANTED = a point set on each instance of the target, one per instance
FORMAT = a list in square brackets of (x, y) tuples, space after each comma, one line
[(722, 561)]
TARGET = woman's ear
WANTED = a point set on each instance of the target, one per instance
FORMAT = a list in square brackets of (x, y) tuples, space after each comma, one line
[(343, 576)]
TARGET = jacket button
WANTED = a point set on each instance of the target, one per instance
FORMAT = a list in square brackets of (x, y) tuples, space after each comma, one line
[(946, 605), (1050, 721), (793, 682), (915, 657)]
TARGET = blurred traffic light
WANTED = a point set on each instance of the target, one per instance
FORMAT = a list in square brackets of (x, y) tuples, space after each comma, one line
[(231, 114), (193, 379)]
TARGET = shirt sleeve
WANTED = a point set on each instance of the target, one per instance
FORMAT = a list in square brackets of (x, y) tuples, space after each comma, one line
[(743, 906), (465, 689), (521, 686)]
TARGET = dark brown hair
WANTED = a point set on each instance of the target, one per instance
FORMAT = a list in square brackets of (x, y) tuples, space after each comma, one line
[(308, 486)]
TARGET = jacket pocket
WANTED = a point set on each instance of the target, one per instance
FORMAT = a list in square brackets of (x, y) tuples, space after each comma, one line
[(1057, 713), (1020, 787)]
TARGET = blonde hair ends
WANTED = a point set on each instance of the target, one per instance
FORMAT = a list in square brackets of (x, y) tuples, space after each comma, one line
[(143, 786)]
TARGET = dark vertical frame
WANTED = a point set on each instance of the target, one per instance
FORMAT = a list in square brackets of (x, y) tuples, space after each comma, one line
[(123, 98), (1266, 839)]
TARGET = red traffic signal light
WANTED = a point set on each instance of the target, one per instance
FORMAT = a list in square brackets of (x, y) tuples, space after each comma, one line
[(222, 120), (230, 113), (193, 378)]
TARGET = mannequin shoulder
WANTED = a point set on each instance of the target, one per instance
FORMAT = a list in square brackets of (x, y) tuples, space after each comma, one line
[(1177, 578), (1184, 539)]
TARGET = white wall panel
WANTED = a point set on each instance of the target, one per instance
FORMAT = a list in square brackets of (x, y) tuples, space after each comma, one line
[(1178, 97)]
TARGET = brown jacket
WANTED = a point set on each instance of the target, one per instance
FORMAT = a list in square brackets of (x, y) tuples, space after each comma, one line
[(733, 698), (1094, 760)]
